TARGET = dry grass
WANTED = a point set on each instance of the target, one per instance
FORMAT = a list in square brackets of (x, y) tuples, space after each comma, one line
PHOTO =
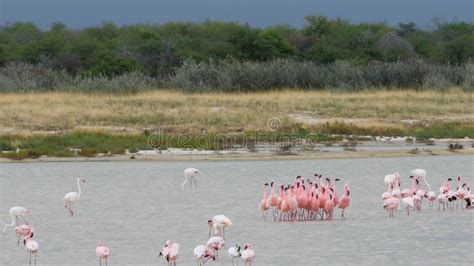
[(224, 112)]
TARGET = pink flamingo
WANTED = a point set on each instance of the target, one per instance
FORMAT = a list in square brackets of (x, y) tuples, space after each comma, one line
[(314, 203), (460, 191), (391, 205), (216, 243), (31, 247), (16, 212), (322, 199), (345, 201), (292, 202), (203, 254), (248, 254), (263, 206), (23, 230), (329, 207), (72, 197), (273, 200), (388, 194), (409, 202), (170, 252), (101, 252), (284, 206), (431, 196), (334, 187)]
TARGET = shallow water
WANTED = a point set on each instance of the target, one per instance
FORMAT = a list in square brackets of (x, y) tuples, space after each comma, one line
[(136, 206)]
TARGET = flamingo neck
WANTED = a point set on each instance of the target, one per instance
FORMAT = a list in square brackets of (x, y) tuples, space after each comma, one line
[(9, 225), (79, 187)]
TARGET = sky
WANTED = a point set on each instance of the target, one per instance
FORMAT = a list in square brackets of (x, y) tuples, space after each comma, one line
[(258, 13)]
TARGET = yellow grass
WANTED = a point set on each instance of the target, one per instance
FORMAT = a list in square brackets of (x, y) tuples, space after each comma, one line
[(224, 112)]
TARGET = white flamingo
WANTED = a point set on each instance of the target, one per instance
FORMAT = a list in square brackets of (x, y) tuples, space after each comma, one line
[(420, 173), (190, 173), (219, 222), (234, 252), (72, 197), (16, 212)]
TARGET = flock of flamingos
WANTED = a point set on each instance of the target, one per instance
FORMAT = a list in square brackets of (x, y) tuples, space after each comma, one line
[(412, 197), (303, 200)]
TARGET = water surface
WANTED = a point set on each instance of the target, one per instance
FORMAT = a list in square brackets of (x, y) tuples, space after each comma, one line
[(136, 206)]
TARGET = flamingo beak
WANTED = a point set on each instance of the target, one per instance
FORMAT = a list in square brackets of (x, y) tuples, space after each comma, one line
[(348, 192), (32, 234)]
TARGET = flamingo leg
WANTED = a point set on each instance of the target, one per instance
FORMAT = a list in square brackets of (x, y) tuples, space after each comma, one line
[(24, 220), (35, 259), (18, 242), (30, 259), (105, 261)]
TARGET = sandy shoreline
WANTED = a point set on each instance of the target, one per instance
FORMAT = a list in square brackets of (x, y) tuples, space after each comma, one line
[(251, 156)]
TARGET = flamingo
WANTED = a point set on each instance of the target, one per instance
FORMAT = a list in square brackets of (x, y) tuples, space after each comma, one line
[(72, 197), (101, 252), (345, 200), (431, 196), (31, 247), (264, 203), (170, 252), (460, 192), (203, 254), (216, 243), (390, 205), (442, 200), (335, 196), (234, 253), (190, 173), (409, 202), (420, 173), (390, 179), (329, 207), (396, 188), (273, 200), (388, 194), (285, 206), (16, 212), (248, 254), (219, 222), (314, 203), (23, 230)]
